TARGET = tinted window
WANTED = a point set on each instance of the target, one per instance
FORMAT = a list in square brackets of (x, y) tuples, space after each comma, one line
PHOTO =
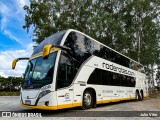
[(103, 77), (29, 69), (77, 43), (124, 81), (106, 77), (39, 72), (83, 47), (44, 68), (119, 79), (106, 53), (66, 72), (95, 77), (54, 39), (132, 82)]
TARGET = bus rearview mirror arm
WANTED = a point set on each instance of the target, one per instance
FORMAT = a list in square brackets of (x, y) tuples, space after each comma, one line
[(16, 60)]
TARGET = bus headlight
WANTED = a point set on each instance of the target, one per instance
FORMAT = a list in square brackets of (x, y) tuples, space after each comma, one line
[(41, 95)]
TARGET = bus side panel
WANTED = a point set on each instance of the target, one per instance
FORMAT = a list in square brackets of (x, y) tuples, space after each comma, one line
[(130, 93), (81, 83), (51, 97), (65, 97), (84, 74), (78, 94), (108, 93)]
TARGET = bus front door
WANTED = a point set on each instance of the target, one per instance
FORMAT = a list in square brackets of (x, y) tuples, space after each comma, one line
[(64, 85)]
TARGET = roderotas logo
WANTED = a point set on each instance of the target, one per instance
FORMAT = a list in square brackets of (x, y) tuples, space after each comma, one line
[(112, 67)]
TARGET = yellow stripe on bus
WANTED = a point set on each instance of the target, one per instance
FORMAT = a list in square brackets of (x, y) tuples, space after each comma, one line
[(76, 104), (40, 53), (41, 107), (63, 106)]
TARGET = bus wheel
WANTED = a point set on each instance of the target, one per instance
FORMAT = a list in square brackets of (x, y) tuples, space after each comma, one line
[(137, 96), (87, 99), (142, 95)]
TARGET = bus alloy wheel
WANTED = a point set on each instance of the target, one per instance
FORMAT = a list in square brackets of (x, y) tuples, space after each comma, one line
[(87, 100)]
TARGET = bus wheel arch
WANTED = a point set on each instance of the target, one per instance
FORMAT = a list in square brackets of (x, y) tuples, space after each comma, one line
[(92, 93)]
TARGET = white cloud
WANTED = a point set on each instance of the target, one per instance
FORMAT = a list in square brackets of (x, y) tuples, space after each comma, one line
[(20, 4), (6, 58), (9, 34), (5, 14), (12, 20)]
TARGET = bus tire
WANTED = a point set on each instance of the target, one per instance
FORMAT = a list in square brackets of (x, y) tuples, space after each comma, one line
[(87, 99), (137, 96), (142, 97)]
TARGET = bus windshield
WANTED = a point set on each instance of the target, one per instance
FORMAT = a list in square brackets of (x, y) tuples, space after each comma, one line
[(39, 72)]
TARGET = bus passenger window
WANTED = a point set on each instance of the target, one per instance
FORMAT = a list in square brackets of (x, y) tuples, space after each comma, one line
[(95, 77), (66, 72)]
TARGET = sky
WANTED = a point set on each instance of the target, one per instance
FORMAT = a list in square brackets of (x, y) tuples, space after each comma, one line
[(14, 40)]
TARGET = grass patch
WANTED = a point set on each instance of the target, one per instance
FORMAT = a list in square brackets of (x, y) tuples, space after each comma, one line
[(9, 93)]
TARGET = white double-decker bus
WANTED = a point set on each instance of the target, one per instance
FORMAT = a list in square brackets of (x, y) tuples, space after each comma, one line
[(70, 69)]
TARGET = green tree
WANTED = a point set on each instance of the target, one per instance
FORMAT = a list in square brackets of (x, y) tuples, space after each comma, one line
[(50, 16), (128, 26), (10, 83), (158, 77)]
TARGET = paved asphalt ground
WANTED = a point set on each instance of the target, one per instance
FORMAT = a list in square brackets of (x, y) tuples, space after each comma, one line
[(125, 109)]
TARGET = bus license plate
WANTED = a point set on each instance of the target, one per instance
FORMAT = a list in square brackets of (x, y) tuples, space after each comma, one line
[(27, 102)]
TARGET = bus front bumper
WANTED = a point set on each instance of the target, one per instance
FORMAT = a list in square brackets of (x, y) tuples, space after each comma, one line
[(40, 107)]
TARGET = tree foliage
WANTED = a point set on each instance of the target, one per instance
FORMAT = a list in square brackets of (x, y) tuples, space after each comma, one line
[(10, 83), (158, 77), (131, 27)]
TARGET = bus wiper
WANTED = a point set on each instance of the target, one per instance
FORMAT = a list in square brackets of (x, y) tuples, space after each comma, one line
[(62, 47)]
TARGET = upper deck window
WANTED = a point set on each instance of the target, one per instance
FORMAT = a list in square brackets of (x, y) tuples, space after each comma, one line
[(54, 39), (82, 47)]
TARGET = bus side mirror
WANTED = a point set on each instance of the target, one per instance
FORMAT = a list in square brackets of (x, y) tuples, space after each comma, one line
[(14, 63), (46, 50), (16, 60)]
